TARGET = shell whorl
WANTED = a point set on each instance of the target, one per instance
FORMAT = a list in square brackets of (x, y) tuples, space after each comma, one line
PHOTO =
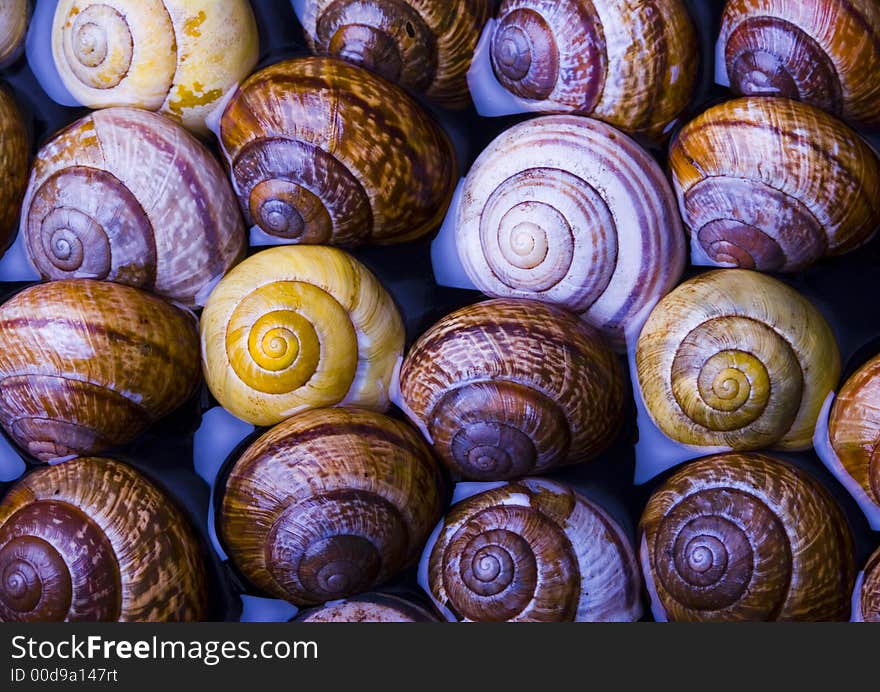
[(375, 607), (728, 360), (319, 155), (854, 428), (178, 58), (511, 387), (631, 64), (869, 600), (747, 537), (805, 51), (299, 327), (14, 16), (14, 154), (567, 210), (330, 503), (533, 551), (56, 399), (129, 196), (759, 182), (93, 540)]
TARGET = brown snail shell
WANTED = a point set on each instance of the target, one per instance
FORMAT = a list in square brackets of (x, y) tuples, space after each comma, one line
[(14, 150), (510, 387), (533, 551), (330, 503), (324, 152), (129, 196), (854, 428), (825, 52), (760, 182), (734, 358), (630, 63), (14, 16), (87, 365), (747, 537), (426, 46), (570, 211), (869, 598), (374, 607), (93, 540)]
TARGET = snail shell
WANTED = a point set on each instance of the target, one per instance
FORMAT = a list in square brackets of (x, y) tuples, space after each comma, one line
[(736, 359), (507, 388), (826, 53), (628, 62), (535, 551), (374, 607), (759, 182), (177, 57), (14, 150), (88, 365), (568, 210), (426, 46), (330, 503), (854, 428), (323, 152), (14, 15), (869, 599), (298, 327), (129, 196), (93, 540), (747, 537)]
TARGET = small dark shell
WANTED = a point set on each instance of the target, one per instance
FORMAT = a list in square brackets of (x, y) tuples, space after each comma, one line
[(14, 148)]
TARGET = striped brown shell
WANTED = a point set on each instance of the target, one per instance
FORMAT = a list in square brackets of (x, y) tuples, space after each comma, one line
[(568, 210), (734, 358), (746, 537), (508, 388), (14, 148), (854, 428), (533, 551), (824, 52), (426, 46), (869, 598), (324, 152), (93, 540), (129, 196), (760, 183), (630, 63), (14, 15), (87, 365), (372, 607), (329, 504)]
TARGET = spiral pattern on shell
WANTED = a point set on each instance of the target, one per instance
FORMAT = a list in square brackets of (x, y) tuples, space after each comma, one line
[(323, 152), (729, 359), (747, 537), (535, 551), (759, 183), (128, 196), (854, 428), (177, 57), (426, 46), (93, 540), (512, 387), (869, 599), (805, 51), (567, 210), (374, 607), (299, 327), (330, 503), (630, 63), (87, 365), (14, 15), (14, 154)]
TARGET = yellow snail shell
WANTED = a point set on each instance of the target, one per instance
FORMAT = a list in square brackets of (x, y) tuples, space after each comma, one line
[(533, 551), (734, 358), (426, 46), (14, 154), (299, 327), (628, 62), (130, 196), (14, 15), (512, 387), (375, 607), (568, 210), (330, 503), (747, 537), (178, 57), (869, 598), (760, 183), (93, 540)]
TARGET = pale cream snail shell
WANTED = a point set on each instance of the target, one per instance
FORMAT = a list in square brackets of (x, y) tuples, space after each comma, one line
[(14, 15)]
